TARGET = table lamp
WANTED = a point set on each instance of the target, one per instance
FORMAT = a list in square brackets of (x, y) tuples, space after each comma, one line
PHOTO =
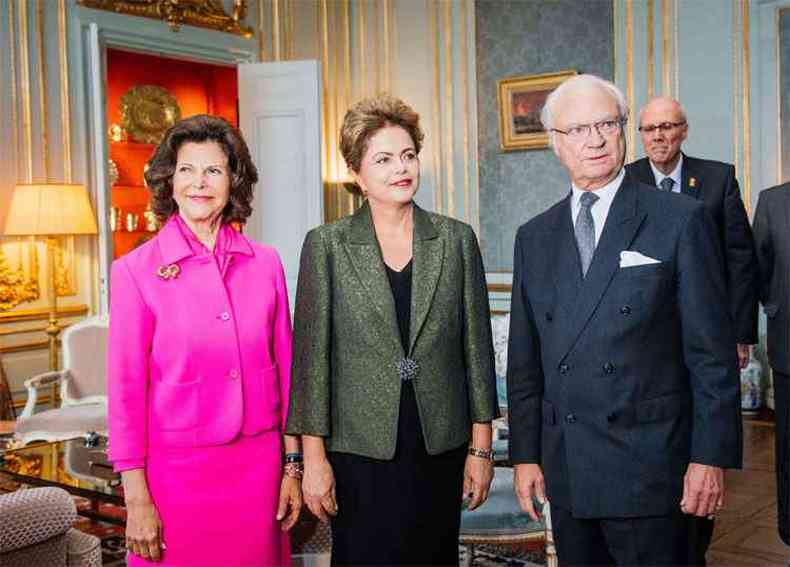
[(51, 210)]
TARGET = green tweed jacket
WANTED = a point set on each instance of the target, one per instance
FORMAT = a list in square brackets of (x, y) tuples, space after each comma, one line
[(347, 363)]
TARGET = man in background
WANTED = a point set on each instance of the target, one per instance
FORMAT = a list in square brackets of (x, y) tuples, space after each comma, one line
[(664, 127)]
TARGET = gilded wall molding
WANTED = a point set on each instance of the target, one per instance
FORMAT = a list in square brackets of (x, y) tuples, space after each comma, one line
[(12, 72), (745, 106), (651, 50), (261, 35), (436, 117), (736, 84), (42, 314), (629, 81), (41, 65), (449, 102), (465, 107), (666, 85), (65, 99), (200, 13), (276, 56), (24, 68)]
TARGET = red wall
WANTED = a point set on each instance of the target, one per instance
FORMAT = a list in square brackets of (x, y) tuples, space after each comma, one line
[(199, 88)]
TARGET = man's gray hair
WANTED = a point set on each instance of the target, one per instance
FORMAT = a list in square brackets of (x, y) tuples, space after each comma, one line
[(575, 84)]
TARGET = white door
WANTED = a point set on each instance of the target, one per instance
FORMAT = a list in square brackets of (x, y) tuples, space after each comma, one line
[(280, 117)]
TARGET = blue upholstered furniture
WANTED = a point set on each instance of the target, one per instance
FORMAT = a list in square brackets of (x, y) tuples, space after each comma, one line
[(499, 520)]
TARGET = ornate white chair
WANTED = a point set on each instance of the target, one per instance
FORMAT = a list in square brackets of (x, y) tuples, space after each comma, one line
[(82, 383)]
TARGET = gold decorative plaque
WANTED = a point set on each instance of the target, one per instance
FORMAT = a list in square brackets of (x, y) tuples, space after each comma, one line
[(147, 111), (201, 13)]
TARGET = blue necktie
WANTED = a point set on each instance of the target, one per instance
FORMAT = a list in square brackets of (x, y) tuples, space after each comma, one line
[(585, 230), (666, 184)]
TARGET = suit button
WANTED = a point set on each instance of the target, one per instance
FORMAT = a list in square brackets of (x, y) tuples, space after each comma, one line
[(611, 417), (235, 374), (625, 309), (225, 316), (608, 367), (564, 368), (570, 418), (549, 317)]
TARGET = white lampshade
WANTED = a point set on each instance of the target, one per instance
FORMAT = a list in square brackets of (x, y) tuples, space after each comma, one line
[(50, 209)]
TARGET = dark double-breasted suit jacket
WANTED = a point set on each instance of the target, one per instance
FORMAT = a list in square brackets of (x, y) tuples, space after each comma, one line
[(714, 183), (618, 380)]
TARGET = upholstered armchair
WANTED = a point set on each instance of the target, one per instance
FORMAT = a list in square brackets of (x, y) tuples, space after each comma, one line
[(35, 531), (82, 384)]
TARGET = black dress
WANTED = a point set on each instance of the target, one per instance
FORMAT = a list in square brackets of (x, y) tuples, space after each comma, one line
[(405, 511)]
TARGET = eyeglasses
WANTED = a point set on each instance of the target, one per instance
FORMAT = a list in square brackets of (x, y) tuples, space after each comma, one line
[(582, 131), (663, 127)]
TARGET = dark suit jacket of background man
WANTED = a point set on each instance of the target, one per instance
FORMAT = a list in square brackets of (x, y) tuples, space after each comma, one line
[(618, 380), (716, 186), (772, 239)]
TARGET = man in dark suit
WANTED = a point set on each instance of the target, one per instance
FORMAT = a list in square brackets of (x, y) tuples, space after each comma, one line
[(622, 374), (772, 239), (663, 128)]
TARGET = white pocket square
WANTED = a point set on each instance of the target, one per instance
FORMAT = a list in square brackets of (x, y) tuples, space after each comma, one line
[(631, 258)]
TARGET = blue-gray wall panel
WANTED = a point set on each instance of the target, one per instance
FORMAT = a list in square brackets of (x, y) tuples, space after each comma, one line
[(526, 37)]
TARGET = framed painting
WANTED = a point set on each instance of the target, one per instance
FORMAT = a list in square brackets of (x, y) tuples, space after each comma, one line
[(521, 100)]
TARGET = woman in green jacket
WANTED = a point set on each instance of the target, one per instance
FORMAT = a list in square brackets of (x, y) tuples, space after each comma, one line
[(393, 386)]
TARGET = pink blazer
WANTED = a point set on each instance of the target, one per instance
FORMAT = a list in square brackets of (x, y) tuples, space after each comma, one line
[(199, 356)]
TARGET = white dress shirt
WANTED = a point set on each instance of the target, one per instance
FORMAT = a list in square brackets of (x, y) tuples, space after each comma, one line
[(599, 209), (674, 174)]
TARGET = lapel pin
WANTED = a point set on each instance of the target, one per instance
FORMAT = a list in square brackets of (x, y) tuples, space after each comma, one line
[(168, 272), (692, 182)]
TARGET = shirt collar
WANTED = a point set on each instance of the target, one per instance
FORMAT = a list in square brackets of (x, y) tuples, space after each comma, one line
[(674, 174), (177, 241), (605, 193)]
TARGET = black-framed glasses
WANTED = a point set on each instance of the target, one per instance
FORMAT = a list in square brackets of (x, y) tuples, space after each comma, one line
[(583, 131), (663, 127)]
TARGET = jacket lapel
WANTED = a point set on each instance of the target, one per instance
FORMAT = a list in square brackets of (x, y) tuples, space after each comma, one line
[(568, 270), (363, 249), (691, 181), (622, 224), (427, 257), (645, 172)]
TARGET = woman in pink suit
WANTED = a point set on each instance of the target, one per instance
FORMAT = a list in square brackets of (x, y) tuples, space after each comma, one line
[(199, 367)]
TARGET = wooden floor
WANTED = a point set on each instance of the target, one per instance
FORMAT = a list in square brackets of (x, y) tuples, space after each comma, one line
[(746, 531)]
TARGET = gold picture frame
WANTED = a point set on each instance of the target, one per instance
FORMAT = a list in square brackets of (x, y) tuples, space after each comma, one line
[(521, 100)]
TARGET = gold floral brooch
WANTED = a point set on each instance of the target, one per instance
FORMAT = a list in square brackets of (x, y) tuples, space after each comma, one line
[(168, 272)]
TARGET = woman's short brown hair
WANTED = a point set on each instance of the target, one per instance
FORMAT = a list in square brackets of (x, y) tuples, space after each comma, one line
[(202, 128), (367, 117)]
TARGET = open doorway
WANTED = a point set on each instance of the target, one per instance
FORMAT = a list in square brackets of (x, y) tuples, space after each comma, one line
[(145, 94)]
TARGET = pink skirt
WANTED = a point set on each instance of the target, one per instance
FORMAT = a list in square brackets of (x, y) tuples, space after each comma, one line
[(218, 504)]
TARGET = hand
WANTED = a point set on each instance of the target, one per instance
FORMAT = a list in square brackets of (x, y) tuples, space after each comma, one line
[(528, 482), (290, 498), (744, 352), (144, 530), (478, 473), (318, 486), (703, 490)]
